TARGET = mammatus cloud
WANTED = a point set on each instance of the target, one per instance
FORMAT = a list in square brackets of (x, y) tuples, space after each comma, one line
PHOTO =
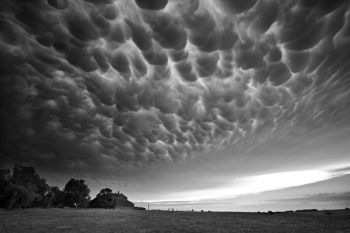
[(88, 84)]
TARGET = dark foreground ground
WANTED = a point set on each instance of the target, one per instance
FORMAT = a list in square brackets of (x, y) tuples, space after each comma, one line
[(99, 220)]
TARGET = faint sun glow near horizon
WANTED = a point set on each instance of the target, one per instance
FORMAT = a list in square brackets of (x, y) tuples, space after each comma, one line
[(253, 185)]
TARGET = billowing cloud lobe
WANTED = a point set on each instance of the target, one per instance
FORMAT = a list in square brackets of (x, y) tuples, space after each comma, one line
[(112, 83)]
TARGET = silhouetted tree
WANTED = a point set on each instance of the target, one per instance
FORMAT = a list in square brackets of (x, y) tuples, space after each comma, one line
[(21, 196), (54, 198), (5, 176), (23, 188), (104, 191), (76, 193), (30, 179)]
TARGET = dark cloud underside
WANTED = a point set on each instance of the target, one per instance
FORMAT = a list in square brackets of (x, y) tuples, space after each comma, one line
[(92, 84)]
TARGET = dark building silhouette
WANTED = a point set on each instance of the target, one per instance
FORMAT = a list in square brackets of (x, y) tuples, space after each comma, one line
[(110, 200)]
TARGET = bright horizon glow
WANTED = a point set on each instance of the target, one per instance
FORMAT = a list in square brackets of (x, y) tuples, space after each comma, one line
[(254, 184)]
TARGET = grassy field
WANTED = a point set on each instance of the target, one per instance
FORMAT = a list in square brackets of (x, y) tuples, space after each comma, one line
[(124, 220)]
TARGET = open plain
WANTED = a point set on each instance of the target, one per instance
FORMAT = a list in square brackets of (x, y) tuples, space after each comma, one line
[(129, 221)]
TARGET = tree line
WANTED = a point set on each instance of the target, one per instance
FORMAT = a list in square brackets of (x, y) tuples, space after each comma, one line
[(22, 187)]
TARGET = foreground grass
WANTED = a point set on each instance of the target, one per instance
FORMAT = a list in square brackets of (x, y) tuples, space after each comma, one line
[(126, 220)]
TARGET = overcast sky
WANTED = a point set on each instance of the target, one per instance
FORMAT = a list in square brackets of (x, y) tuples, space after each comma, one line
[(221, 105)]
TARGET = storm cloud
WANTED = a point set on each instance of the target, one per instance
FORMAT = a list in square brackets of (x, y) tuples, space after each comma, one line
[(95, 84)]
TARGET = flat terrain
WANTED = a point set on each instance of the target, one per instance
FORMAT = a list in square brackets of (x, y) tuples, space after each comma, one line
[(100, 220)]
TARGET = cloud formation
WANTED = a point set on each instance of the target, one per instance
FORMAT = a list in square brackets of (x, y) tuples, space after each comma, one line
[(89, 84), (321, 198)]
